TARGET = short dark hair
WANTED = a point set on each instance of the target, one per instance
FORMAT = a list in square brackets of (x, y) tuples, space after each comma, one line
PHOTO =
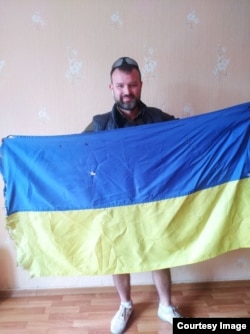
[(125, 64)]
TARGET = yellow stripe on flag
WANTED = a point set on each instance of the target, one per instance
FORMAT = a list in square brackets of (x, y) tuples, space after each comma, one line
[(134, 238)]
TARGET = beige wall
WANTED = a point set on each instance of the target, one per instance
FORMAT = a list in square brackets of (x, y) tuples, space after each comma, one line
[(55, 58)]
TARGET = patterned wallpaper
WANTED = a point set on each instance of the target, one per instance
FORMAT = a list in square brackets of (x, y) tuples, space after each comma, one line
[(55, 58)]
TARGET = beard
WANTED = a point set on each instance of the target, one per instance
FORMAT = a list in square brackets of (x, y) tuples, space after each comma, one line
[(130, 105)]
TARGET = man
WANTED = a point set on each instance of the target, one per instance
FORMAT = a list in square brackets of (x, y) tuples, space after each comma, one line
[(127, 111)]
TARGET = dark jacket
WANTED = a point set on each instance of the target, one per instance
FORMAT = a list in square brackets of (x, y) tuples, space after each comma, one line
[(114, 120)]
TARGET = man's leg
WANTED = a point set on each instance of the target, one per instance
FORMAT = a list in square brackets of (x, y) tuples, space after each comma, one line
[(162, 281), (122, 284), (120, 320)]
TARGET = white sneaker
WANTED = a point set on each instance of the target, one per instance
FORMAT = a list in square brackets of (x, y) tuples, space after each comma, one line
[(167, 313), (120, 320)]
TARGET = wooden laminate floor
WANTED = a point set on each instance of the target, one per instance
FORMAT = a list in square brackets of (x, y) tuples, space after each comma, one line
[(89, 311)]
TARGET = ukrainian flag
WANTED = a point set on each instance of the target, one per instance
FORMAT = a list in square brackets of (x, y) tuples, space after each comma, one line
[(130, 200)]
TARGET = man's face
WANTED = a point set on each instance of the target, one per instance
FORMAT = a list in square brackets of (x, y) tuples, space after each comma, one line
[(126, 88)]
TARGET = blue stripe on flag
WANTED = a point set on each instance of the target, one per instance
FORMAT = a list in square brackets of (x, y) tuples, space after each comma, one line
[(130, 166)]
